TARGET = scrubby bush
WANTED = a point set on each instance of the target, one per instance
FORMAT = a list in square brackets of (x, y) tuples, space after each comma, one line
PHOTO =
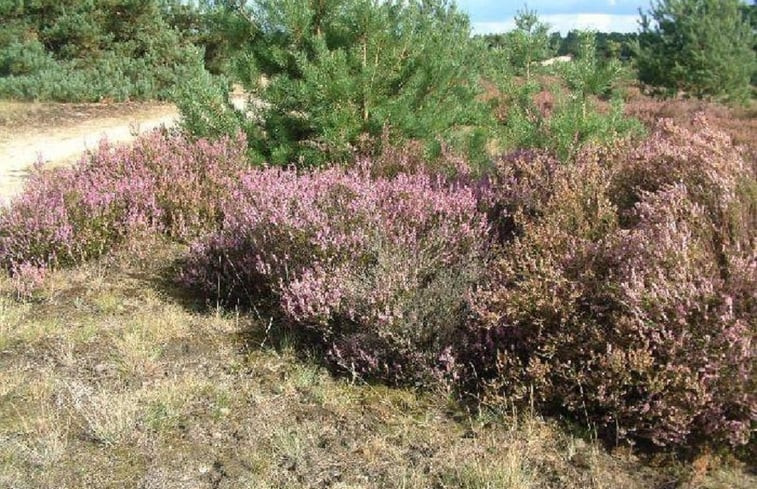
[(86, 51), (378, 268), (162, 184), (713, 170), (625, 291), (576, 115)]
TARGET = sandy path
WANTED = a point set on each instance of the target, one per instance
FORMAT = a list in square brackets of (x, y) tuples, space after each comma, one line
[(66, 143)]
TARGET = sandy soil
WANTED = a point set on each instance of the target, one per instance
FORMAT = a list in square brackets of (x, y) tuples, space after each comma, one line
[(59, 133)]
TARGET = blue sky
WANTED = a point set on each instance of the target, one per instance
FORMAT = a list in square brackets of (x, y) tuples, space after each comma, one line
[(563, 15)]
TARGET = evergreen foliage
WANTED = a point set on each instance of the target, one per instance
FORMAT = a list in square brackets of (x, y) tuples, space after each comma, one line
[(216, 27), (330, 76), (590, 74), (570, 119), (528, 43), (704, 48), (89, 50)]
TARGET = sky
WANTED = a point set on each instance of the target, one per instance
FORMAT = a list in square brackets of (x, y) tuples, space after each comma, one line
[(562, 15)]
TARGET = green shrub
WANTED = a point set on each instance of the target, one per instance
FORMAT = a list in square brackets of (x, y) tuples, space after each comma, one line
[(207, 111), (333, 76), (570, 123), (576, 115), (23, 58), (703, 48), (527, 44), (89, 51), (576, 123)]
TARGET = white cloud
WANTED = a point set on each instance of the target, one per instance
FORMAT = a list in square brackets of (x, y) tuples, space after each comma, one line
[(493, 27), (567, 22)]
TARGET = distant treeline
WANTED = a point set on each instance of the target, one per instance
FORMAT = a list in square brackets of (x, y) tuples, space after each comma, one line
[(616, 45)]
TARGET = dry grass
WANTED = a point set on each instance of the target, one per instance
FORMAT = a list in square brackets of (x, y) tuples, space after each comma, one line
[(109, 378)]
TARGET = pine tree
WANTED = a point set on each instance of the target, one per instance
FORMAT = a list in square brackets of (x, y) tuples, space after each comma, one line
[(529, 42), (333, 75), (700, 47), (87, 50)]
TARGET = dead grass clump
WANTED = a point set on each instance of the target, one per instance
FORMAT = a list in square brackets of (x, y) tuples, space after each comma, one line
[(108, 418)]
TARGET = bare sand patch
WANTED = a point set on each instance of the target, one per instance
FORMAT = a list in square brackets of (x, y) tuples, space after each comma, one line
[(58, 134)]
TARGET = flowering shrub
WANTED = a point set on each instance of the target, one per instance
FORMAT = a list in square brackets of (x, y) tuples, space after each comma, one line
[(623, 291), (379, 268), (626, 293), (738, 122), (704, 159), (27, 279), (160, 184)]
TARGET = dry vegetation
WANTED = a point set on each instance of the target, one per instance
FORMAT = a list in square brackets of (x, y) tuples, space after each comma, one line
[(738, 122), (110, 376)]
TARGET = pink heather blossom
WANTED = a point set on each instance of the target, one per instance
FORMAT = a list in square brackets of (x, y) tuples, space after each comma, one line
[(162, 183), (357, 258)]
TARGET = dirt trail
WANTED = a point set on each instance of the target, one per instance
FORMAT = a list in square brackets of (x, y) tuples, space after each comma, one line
[(58, 141)]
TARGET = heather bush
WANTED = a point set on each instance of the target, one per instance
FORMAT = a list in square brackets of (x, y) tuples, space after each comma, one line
[(27, 279), (625, 290), (704, 159), (379, 269), (162, 183), (738, 122), (413, 157)]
